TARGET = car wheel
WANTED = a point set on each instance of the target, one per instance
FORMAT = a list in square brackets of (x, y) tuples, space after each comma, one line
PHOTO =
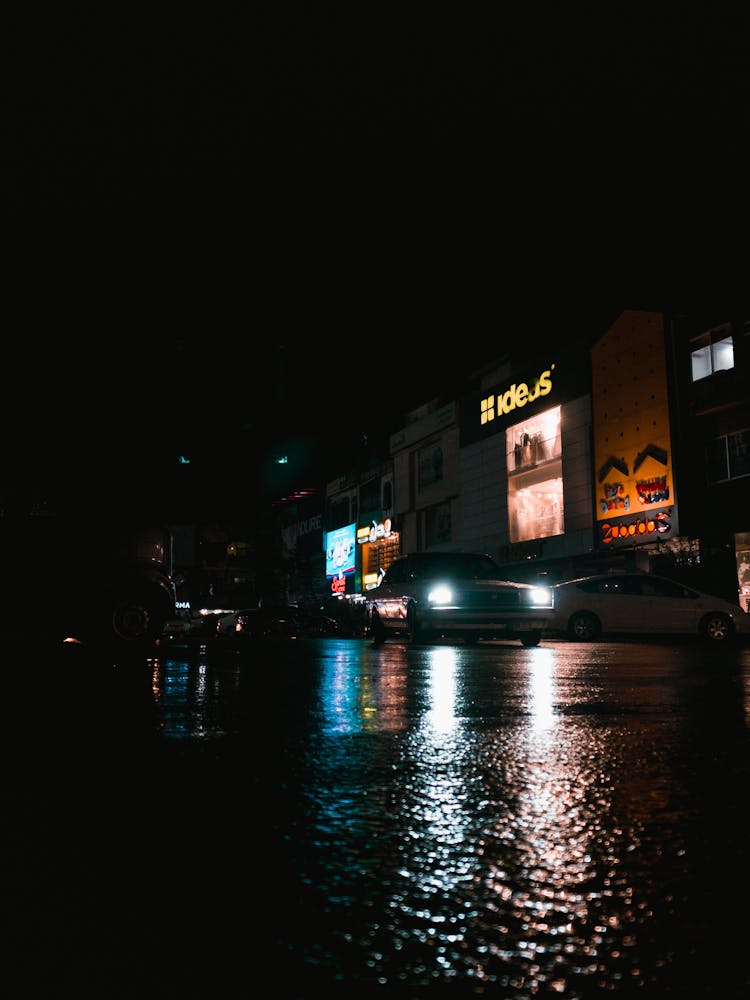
[(531, 638), (376, 629), (717, 627), (137, 620), (125, 622), (416, 631), (583, 626)]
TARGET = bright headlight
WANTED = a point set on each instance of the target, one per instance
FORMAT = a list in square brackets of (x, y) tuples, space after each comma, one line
[(539, 597), (440, 595)]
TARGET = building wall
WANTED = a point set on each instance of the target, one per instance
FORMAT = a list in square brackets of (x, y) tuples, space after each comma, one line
[(405, 516), (431, 434), (714, 513), (578, 484), (484, 507)]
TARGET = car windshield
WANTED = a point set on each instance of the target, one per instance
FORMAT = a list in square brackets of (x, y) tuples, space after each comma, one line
[(459, 565)]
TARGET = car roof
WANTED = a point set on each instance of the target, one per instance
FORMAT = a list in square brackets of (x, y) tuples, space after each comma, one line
[(607, 576), (620, 573)]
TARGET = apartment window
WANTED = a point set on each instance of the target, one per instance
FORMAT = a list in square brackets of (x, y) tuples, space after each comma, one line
[(387, 494), (728, 457), (369, 495), (713, 352)]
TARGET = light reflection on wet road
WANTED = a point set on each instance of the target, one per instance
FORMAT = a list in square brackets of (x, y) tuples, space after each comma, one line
[(493, 821)]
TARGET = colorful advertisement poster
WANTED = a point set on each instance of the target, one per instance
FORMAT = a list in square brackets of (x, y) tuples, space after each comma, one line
[(341, 547)]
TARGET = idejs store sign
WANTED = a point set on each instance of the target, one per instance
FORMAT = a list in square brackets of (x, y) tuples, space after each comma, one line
[(526, 389)]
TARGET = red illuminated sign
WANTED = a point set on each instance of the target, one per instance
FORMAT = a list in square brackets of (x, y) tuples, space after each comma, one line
[(636, 528)]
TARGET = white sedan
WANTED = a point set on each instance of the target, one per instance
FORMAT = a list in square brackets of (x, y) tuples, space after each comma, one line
[(645, 605)]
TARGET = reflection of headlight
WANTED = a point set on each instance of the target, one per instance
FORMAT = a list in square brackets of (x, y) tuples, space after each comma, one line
[(538, 597), (440, 595)]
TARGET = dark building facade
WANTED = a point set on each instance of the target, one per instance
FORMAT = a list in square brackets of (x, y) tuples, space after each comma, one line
[(710, 356)]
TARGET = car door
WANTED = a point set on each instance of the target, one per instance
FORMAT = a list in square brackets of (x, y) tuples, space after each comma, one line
[(667, 607), (618, 604)]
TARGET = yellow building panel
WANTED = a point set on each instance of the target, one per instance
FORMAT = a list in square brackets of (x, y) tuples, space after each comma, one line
[(632, 446)]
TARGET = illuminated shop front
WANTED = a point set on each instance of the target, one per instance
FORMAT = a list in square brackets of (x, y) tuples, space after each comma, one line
[(533, 456), (379, 545), (526, 460), (535, 484), (742, 551)]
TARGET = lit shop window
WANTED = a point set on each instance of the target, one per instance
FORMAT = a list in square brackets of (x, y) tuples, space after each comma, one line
[(535, 486), (377, 556), (713, 352), (742, 550)]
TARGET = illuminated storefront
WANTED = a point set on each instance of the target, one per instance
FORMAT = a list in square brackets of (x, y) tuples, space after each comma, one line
[(379, 545), (535, 485), (525, 454)]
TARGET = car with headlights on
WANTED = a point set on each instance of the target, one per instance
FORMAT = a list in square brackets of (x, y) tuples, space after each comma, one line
[(644, 605), (428, 596)]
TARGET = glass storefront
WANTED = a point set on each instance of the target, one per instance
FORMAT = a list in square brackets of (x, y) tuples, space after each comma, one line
[(742, 550), (377, 556), (535, 485)]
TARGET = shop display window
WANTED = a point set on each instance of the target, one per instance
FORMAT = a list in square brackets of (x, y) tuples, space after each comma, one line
[(534, 441), (535, 486), (377, 556), (742, 550)]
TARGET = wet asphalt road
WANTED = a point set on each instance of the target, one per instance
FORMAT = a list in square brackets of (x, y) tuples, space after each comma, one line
[(322, 817)]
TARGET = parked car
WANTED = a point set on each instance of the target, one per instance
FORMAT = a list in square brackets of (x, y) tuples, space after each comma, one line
[(217, 628), (256, 623), (430, 595), (202, 625), (79, 581), (642, 604), (212, 617)]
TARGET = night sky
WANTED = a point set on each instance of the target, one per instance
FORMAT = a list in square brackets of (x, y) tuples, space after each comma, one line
[(394, 200)]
